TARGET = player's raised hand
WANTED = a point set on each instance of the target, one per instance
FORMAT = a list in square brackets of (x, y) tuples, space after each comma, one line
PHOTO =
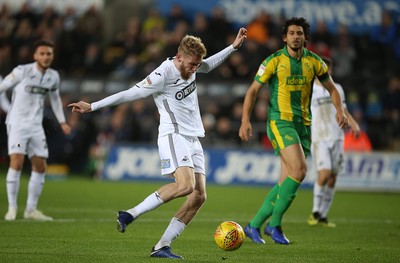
[(81, 107), (241, 35)]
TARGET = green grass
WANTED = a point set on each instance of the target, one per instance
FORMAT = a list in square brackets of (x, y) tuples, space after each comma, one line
[(84, 229)]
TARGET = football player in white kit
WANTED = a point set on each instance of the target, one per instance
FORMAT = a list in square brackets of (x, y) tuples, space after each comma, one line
[(173, 86), (327, 148), (31, 83)]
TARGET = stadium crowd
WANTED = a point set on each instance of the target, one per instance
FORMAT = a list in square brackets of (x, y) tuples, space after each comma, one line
[(366, 65)]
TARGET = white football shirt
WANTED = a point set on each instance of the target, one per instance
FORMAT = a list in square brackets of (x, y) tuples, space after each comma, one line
[(176, 99), (30, 90), (323, 124)]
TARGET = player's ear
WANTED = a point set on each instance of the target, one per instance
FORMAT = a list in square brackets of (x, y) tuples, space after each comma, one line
[(179, 57)]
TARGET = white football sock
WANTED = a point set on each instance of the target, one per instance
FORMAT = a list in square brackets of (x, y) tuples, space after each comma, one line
[(13, 178), (151, 202), (318, 196), (327, 201), (35, 188), (174, 229)]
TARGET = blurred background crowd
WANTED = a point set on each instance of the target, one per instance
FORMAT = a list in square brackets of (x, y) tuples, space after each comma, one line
[(366, 65)]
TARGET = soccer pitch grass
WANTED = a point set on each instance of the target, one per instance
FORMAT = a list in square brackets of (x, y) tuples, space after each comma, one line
[(84, 229)]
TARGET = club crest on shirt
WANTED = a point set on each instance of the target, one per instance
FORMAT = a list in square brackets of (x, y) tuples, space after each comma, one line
[(186, 91), (165, 163)]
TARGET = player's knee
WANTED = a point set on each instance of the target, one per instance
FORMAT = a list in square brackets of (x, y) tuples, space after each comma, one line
[(186, 189), (198, 199), (299, 172), (201, 197)]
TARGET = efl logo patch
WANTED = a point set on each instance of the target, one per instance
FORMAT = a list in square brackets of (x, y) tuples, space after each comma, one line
[(261, 70), (146, 82), (165, 163)]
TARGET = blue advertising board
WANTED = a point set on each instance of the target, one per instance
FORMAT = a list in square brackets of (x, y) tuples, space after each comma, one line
[(374, 171), (358, 15)]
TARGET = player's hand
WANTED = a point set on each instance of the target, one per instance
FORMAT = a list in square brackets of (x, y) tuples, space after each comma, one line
[(341, 119), (65, 128), (81, 107), (355, 130), (245, 131), (241, 35)]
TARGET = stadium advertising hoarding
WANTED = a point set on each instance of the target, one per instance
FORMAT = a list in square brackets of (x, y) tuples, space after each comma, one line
[(357, 15), (375, 171)]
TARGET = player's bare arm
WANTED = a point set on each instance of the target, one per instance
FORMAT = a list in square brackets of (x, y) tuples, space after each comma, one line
[(354, 127), (65, 128), (241, 35), (245, 130), (81, 107), (341, 117)]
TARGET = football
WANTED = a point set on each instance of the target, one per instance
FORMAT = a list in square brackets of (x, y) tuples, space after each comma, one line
[(229, 235)]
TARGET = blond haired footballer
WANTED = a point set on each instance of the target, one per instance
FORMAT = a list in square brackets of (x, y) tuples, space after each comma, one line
[(174, 90)]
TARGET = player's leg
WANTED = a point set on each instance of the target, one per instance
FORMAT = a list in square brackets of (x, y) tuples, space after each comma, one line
[(195, 199), (327, 202), (12, 184), (17, 141), (337, 154), (35, 188), (252, 230), (183, 185), (183, 216), (37, 151), (322, 159), (318, 195), (294, 167)]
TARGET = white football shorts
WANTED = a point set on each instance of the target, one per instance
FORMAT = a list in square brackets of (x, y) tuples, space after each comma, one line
[(328, 155), (28, 140), (178, 150)]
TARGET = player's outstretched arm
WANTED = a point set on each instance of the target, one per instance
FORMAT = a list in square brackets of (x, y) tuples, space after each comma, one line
[(81, 107)]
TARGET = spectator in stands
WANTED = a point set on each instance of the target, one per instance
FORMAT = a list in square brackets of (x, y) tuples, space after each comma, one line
[(221, 29), (24, 36), (385, 32), (90, 27), (7, 22), (391, 109), (175, 16), (344, 55), (153, 27), (322, 34), (25, 13)]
